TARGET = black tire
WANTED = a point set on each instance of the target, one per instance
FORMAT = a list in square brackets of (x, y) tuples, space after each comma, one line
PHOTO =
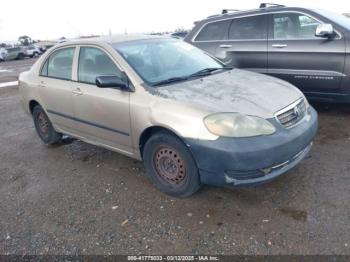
[(44, 127), (20, 56), (170, 166)]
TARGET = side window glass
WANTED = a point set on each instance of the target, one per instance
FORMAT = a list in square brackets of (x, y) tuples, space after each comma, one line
[(60, 64), (308, 26), (43, 71), (93, 62), (294, 26), (253, 27), (214, 31)]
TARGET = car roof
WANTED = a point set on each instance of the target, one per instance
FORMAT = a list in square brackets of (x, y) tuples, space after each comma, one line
[(114, 39), (252, 12)]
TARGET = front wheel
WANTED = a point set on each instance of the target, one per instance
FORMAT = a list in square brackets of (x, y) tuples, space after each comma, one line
[(170, 166), (44, 127)]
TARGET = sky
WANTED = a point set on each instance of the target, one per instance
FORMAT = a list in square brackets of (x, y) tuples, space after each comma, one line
[(52, 19)]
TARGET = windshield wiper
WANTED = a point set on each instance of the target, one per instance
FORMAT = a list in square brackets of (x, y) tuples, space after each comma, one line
[(170, 80), (208, 71), (203, 72)]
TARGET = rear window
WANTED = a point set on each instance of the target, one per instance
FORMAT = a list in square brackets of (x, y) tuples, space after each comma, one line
[(44, 69), (214, 31), (59, 64)]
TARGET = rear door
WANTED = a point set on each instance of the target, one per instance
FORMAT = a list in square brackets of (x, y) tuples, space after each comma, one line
[(313, 64), (55, 88), (246, 44), (211, 35)]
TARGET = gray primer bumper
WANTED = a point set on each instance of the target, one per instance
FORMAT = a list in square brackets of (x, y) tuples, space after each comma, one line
[(252, 161)]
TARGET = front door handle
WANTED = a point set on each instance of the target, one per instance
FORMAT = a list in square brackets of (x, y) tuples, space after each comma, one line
[(279, 45), (77, 92), (225, 46)]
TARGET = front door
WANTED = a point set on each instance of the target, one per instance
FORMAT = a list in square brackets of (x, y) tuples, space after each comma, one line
[(102, 114), (313, 64)]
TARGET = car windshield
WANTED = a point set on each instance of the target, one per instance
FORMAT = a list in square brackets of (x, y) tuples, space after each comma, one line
[(337, 18), (161, 61)]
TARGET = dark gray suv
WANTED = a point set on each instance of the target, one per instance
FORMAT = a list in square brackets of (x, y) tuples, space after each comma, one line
[(308, 48)]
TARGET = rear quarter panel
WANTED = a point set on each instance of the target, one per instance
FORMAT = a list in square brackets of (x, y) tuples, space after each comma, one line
[(28, 89)]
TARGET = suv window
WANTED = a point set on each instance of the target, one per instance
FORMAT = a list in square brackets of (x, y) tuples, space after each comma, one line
[(93, 62), (14, 49), (294, 26), (253, 27), (59, 64), (214, 31)]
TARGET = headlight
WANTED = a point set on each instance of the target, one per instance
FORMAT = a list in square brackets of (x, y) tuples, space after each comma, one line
[(238, 125)]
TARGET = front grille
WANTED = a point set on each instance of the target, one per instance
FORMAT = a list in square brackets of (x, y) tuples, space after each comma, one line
[(292, 114)]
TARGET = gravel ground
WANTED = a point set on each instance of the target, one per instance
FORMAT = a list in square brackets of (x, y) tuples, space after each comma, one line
[(9, 70), (81, 199)]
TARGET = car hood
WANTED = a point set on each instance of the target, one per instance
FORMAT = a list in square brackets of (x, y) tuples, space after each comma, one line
[(234, 91)]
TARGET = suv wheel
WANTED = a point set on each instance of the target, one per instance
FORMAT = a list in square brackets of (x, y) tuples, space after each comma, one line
[(44, 127), (170, 166), (20, 56)]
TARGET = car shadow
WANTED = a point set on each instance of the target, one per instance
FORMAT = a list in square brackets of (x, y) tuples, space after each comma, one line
[(334, 124), (331, 109)]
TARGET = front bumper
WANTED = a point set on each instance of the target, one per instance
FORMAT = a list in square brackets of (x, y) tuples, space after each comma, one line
[(255, 160)]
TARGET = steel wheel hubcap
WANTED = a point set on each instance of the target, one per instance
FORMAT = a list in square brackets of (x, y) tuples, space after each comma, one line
[(43, 123), (169, 165)]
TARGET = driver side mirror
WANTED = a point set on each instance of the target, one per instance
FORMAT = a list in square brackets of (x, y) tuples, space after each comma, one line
[(325, 30), (113, 82)]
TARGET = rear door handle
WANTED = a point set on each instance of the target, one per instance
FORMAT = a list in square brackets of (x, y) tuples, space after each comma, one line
[(279, 45), (77, 92), (225, 46), (42, 84)]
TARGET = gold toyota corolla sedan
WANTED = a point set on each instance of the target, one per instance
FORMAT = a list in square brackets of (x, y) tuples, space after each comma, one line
[(192, 120)]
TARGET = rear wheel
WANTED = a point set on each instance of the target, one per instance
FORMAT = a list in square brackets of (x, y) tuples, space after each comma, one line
[(44, 127), (20, 56), (170, 166)]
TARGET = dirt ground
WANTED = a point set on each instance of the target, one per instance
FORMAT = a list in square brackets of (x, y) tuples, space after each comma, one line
[(81, 199)]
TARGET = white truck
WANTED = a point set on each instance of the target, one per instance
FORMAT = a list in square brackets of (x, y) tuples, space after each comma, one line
[(33, 51)]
